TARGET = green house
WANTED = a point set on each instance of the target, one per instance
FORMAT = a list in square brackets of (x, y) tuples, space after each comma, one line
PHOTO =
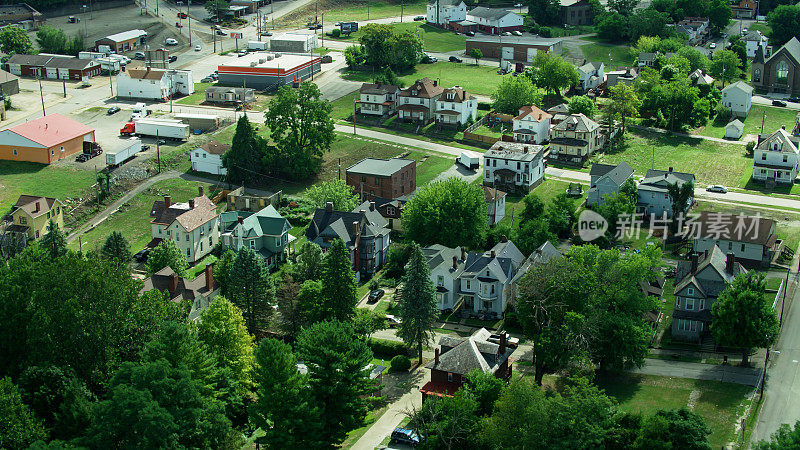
[(265, 231)]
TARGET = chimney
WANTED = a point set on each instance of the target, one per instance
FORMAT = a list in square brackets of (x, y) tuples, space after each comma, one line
[(436, 357), (783, 127), (493, 254), (372, 206), (455, 262), (730, 261), (191, 203), (502, 342), (241, 219), (362, 211), (355, 228), (36, 206), (463, 254), (173, 283), (435, 82), (167, 201), (670, 169), (200, 191), (209, 277), (694, 262), (525, 149), (329, 206), (504, 238)]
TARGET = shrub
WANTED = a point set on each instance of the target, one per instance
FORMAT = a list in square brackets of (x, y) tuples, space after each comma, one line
[(373, 285), (750, 147), (386, 348), (336, 32), (484, 106), (400, 363)]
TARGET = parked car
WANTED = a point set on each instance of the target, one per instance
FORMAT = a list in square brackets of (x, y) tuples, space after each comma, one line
[(142, 255), (516, 33), (326, 59), (405, 436), (428, 59), (393, 321), (145, 147), (207, 80), (780, 103), (112, 110), (197, 48), (139, 55), (419, 18), (506, 33), (455, 59), (314, 26), (717, 188), (511, 342), (83, 157), (713, 45), (220, 33), (241, 53), (470, 33), (215, 75), (173, 58), (375, 295), (266, 33), (794, 99), (170, 41)]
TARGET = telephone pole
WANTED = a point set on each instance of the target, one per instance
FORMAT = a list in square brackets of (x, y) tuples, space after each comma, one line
[(41, 94)]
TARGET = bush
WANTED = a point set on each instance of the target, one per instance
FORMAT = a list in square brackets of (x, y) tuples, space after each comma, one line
[(386, 348), (749, 148), (373, 285), (336, 32), (400, 363), (484, 106)]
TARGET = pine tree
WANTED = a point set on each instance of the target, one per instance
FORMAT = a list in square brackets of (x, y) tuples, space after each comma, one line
[(418, 303), (116, 248), (54, 241), (221, 328), (243, 159), (251, 288), (339, 296), (222, 270)]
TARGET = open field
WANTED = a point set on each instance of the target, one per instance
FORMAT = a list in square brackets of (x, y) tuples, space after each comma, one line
[(480, 80), (711, 162), (611, 55), (17, 178), (353, 11), (546, 191), (433, 39), (773, 118)]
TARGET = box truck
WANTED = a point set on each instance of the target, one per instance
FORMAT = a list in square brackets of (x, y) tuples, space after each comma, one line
[(131, 147), (470, 160), (257, 45), (164, 128)]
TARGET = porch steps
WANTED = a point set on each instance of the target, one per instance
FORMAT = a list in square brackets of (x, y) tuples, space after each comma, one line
[(708, 345)]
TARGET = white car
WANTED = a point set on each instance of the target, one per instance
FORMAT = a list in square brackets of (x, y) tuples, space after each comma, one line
[(717, 188), (713, 45), (197, 48), (171, 41), (516, 33), (393, 321)]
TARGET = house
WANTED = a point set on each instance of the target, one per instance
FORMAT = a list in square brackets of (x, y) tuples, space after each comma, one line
[(193, 225), (575, 12), (513, 166), (575, 138), (363, 232), (776, 159), (31, 215), (154, 84), (418, 101), (44, 140), (208, 158), (21, 15), (495, 204), (447, 11), (736, 97), (241, 199), (532, 125), (456, 107), (199, 293), (734, 130), (513, 48), (591, 74), (694, 28), (698, 283), (230, 95), (559, 112), (750, 239), (700, 78), (391, 210), (647, 59), (606, 179), (9, 83), (745, 9), (456, 357), (627, 76), (654, 199), (54, 67), (125, 41), (266, 232), (472, 281), (495, 20), (780, 72), (377, 99), (387, 178), (753, 40)]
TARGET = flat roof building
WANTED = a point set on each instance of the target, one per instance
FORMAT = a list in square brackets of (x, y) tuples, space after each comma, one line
[(122, 42), (386, 178), (58, 67), (513, 48), (293, 42), (257, 71)]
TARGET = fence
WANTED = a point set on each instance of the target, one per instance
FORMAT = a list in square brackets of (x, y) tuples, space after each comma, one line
[(480, 138)]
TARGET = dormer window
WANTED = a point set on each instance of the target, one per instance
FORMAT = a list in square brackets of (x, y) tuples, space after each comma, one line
[(451, 96), (414, 92)]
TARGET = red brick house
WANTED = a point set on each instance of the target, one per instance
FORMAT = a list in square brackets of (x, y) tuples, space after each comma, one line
[(386, 178)]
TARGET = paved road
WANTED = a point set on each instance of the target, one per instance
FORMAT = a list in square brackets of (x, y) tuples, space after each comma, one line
[(697, 371)]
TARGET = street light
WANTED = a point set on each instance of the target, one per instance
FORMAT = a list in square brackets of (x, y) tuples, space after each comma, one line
[(84, 21)]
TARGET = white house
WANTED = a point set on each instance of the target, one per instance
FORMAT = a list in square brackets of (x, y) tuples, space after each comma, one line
[(377, 99), (154, 84), (751, 240), (208, 158), (753, 40), (532, 125), (736, 97), (495, 204), (734, 129), (776, 158), (193, 225), (513, 166), (456, 107), (495, 20), (592, 74), (449, 11), (654, 197)]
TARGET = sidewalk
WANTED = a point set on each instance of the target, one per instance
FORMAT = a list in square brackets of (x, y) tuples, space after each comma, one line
[(715, 372)]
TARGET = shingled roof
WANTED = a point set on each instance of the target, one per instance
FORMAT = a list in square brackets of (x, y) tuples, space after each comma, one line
[(189, 218), (28, 204), (461, 356)]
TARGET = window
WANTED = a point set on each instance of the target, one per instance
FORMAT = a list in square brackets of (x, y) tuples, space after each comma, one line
[(678, 302), (52, 152), (763, 156), (440, 280), (468, 284), (204, 155), (690, 304), (14, 151), (23, 220), (757, 75), (449, 377), (730, 245), (785, 158), (37, 234), (390, 210), (690, 291), (782, 72), (188, 252), (187, 238), (252, 243), (278, 242), (201, 246)]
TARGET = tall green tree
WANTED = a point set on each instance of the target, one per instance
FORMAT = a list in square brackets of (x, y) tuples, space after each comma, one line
[(624, 7), (477, 54), (117, 248), (450, 212), (725, 66), (552, 73), (581, 104), (514, 93), (301, 126), (784, 21), (222, 270), (418, 305), (15, 40), (676, 428), (285, 408), (244, 159), (309, 262), (58, 397), (19, 427), (292, 315), (339, 296), (310, 301), (446, 422), (338, 192), (337, 377), (54, 241), (218, 9), (221, 328), (251, 289), (624, 104), (719, 14), (167, 254), (784, 439), (485, 388), (742, 318), (696, 58), (681, 196), (612, 26), (545, 12), (54, 40), (648, 22)]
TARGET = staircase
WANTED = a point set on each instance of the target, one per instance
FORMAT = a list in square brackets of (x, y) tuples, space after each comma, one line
[(708, 344)]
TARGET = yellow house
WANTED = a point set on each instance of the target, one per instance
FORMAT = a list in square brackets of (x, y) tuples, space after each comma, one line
[(31, 214)]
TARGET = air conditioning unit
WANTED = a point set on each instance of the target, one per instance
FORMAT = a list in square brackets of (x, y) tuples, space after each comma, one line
[(270, 57), (262, 60), (277, 55), (253, 64)]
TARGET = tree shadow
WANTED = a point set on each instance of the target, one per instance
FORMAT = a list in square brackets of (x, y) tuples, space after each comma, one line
[(621, 386)]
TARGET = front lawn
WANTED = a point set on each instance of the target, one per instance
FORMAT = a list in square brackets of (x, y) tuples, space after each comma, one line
[(480, 80), (773, 118), (433, 39), (198, 97), (17, 178), (546, 191), (787, 224)]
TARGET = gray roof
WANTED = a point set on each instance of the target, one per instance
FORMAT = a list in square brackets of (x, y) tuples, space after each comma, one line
[(736, 123), (753, 35), (379, 167), (126, 35), (708, 287), (445, 2), (590, 66), (792, 47), (224, 90), (378, 88), (647, 56), (339, 224), (788, 143), (52, 61), (577, 122), (461, 356), (682, 176), (516, 151), (618, 173), (489, 13), (740, 85)]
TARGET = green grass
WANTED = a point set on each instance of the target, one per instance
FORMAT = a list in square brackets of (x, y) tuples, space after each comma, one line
[(343, 107), (17, 178), (609, 54), (546, 191), (433, 39), (431, 167), (198, 97), (774, 283), (787, 226), (762, 27), (198, 268), (353, 11), (711, 162), (774, 119), (480, 80), (133, 218), (720, 404)]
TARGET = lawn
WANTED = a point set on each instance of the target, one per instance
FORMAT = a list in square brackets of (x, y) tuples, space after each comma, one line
[(546, 191), (762, 27), (353, 11), (711, 162), (17, 178), (198, 97), (480, 80), (433, 39), (773, 119), (787, 225), (720, 404), (133, 218), (612, 55), (343, 107)]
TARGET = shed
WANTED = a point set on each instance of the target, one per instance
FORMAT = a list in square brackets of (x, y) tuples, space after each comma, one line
[(734, 130)]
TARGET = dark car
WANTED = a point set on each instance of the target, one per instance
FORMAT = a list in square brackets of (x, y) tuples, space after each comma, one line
[(145, 147), (405, 436), (83, 157), (419, 18), (266, 33), (314, 26), (112, 110), (142, 255), (428, 59), (375, 295), (220, 33), (455, 59), (780, 103), (794, 99), (470, 33), (173, 58)]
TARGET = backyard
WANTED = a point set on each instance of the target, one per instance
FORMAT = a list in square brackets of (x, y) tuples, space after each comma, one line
[(433, 39), (17, 178), (546, 191), (612, 56), (773, 119), (199, 97), (479, 80)]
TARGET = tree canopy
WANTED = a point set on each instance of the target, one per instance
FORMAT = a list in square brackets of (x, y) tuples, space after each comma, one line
[(244, 159), (514, 93), (418, 308), (552, 73), (167, 254), (15, 40), (338, 192), (117, 248), (784, 21), (251, 288)]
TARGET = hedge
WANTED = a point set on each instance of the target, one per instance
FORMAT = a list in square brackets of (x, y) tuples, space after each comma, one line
[(387, 348)]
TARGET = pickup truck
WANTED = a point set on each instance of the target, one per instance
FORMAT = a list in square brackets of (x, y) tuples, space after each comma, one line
[(511, 342)]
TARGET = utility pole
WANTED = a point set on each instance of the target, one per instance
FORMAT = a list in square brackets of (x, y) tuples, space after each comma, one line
[(322, 31), (189, 21), (214, 36), (158, 150), (437, 19), (64, 85), (110, 84), (354, 114), (41, 94), (401, 11)]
